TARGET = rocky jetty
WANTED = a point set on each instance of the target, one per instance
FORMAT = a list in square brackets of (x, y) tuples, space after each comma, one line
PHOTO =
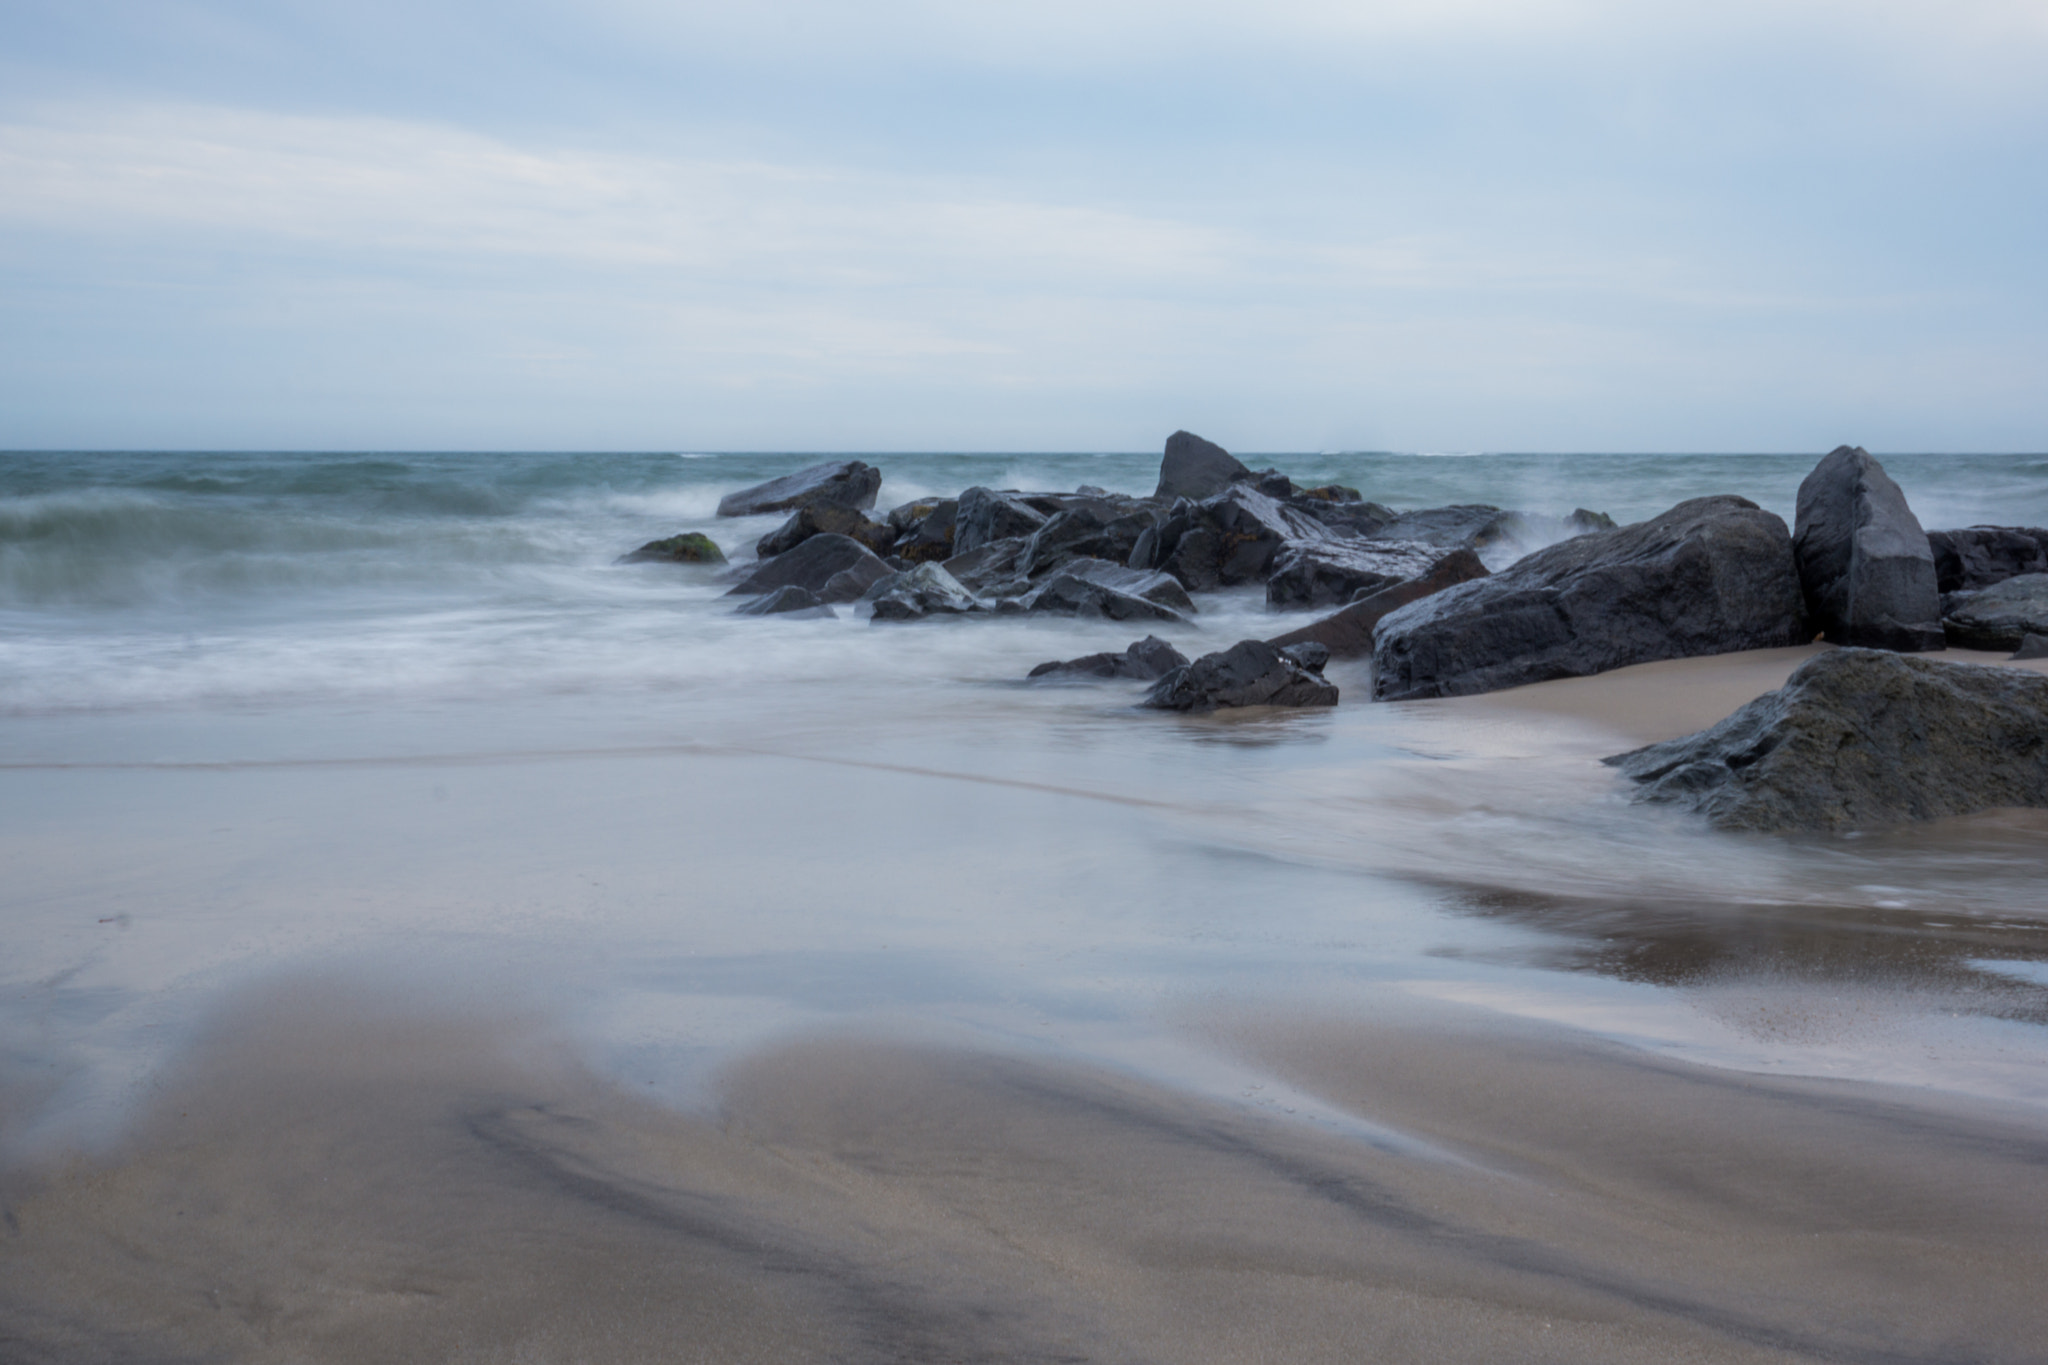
[(1249, 673), (692, 547), (1859, 738), (1144, 660), (2000, 616), (1710, 576), (1864, 562), (1978, 556), (847, 483)]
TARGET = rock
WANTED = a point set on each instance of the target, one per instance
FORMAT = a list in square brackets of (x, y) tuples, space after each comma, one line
[(1226, 540), (1864, 562), (1096, 587), (1100, 531), (837, 568), (1145, 660), (1196, 469), (1710, 576), (2000, 616), (1581, 522), (787, 600), (1324, 573), (1249, 673), (1978, 556), (985, 516), (1861, 737), (926, 590), (1347, 634), (825, 518), (848, 483), (991, 570), (692, 547), (1329, 493), (2032, 647), (924, 530), (1468, 526), (1344, 517)]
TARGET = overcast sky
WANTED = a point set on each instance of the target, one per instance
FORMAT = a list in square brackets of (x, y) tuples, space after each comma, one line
[(1068, 224)]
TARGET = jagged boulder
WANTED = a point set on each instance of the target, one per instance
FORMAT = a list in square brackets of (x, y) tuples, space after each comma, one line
[(846, 483), (1325, 573), (2000, 616), (985, 515), (1098, 530), (1144, 660), (1347, 634), (992, 570), (915, 593), (1096, 587), (1249, 673), (787, 600), (825, 518), (1225, 540), (1351, 516), (1864, 561), (692, 547), (837, 568), (1468, 526), (1978, 556), (1858, 738), (1196, 469), (924, 530), (1710, 576)]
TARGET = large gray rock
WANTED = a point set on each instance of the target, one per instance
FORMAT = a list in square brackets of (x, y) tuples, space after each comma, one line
[(1325, 573), (915, 593), (2000, 616), (924, 530), (1710, 576), (985, 516), (1090, 531), (1347, 633), (1978, 556), (1249, 673), (1861, 737), (1096, 587), (1229, 539), (848, 483), (825, 518), (837, 568), (1864, 560), (992, 570), (1196, 469), (1144, 660)]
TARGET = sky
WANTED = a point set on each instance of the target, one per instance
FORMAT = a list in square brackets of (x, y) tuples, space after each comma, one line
[(1547, 225)]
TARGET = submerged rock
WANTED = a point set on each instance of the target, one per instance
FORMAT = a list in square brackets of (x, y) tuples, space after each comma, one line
[(1144, 660), (1861, 737), (1978, 556), (1710, 576), (847, 483), (1864, 562), (692, 547), (926, 590), (1195, 469), (1324, 573), (1096, 587), (825, 518), (1249, 673), (787, 600), (837, 568), (2000, 616), (1347, 634)]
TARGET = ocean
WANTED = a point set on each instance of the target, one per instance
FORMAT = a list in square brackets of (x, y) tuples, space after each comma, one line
[(383, 859)]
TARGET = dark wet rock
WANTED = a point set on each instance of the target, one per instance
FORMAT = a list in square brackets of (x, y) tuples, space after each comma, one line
[(1347, 634), (1249, 673), (846, 483), (1096, 587), (992, 570), (1328, 493), (1144, 660), (821, 519), (1858, 738), (1581, 522), (1978, 556), (787, 600), (2000, 616), (1196, 469), (1469, 526), (924, 590), (985, 515), (1226, 540), (1326, 573), (1090, 531), (1343, 517), (837, 568), (2032, 647), (1710, 576), (1864, 561), (924, 530), (692, 547)]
